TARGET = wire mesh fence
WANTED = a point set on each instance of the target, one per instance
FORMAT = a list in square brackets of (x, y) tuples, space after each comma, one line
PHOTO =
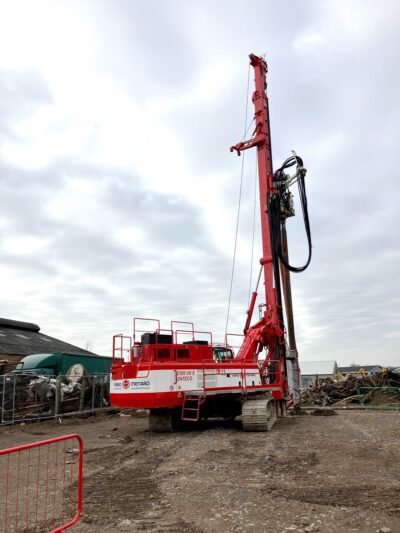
[(382, 398), (27, 397)]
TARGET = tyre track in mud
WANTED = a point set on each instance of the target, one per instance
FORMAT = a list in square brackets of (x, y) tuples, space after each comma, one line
[(303, 474), (120, 489)]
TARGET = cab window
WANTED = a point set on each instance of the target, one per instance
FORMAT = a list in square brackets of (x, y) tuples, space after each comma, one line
[(222, 354)]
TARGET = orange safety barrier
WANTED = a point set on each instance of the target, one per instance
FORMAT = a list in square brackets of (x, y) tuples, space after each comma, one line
[(41, 486)]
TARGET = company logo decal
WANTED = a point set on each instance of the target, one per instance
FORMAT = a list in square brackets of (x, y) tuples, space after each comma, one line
[(140, 384), (127, 384)]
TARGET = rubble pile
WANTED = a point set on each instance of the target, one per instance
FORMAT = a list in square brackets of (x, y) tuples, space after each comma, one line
[(357, 388)]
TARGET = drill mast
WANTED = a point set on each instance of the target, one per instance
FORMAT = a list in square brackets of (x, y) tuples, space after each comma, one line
[(268, 333)]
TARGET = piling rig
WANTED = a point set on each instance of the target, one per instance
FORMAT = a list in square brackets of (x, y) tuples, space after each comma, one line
[(179, 374)]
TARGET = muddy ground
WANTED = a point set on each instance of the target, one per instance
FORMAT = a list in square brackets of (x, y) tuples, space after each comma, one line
[(335, 473)]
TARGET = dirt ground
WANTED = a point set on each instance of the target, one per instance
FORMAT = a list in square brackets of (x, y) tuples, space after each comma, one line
[(336, 473)]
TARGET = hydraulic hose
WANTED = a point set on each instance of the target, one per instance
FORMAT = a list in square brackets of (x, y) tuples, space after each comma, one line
[(275, 211)]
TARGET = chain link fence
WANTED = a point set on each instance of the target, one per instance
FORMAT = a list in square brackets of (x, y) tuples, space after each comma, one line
[(29, 397)]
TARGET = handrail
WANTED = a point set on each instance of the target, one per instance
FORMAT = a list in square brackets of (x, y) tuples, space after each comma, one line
[(182, 322), (214, 372), (149, 362), (136, 319), (158, 332), (227, 345), (187, 332), (120, 349)]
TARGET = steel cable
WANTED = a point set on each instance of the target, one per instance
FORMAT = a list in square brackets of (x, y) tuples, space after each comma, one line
[(239, 206)]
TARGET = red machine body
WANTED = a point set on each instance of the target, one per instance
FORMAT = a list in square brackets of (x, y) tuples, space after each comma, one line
[(179, 373), (160, 370)]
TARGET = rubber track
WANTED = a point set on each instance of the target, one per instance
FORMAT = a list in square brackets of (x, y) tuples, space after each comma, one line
[(258, 415)]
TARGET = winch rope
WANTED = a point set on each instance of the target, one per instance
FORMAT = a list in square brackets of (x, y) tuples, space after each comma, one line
[(239, 206)]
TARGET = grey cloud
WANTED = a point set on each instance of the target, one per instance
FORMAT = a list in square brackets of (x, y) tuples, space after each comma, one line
[(148, 277), (336, 105), (143, 45), (20, 94)]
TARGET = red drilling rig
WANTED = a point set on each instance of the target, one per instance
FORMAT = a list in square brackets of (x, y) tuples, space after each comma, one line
[(178, 373)]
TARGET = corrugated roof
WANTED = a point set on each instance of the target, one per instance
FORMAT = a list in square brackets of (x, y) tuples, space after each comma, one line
[(320, 368), (23, 338), (356, 368)]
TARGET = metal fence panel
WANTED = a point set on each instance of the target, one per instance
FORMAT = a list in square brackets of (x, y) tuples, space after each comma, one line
[(28, 397), (41, 487)]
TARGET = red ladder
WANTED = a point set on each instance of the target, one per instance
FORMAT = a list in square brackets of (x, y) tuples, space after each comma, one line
[(191, 407)]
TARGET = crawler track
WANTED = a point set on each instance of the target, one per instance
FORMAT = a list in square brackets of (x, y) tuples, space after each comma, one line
[(258, 415)]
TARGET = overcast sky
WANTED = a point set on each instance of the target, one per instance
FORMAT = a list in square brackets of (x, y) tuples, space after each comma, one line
[(118, 191)]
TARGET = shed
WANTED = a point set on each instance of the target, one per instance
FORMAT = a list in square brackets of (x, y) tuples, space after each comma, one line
[(18, 339), (356, 369), (321, 369)]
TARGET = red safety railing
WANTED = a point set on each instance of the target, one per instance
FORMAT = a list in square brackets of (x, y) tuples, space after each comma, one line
[(122, 348), (139, 320), (41, 486), (232, 344), (194, 334), (174, 322)]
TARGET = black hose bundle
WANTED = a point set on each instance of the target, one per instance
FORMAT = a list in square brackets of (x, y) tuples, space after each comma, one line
[(274, 210)]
